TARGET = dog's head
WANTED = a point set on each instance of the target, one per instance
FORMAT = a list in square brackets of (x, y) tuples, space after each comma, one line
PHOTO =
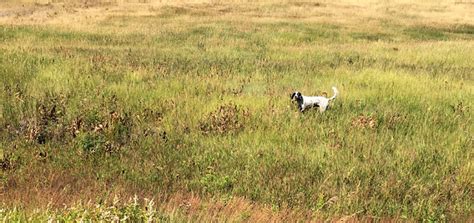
[(296, 96)]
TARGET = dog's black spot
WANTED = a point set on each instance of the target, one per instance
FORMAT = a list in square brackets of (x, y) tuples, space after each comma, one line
[(299, 97)]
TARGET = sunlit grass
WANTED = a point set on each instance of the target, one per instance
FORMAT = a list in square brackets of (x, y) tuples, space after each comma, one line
[(160, 99)]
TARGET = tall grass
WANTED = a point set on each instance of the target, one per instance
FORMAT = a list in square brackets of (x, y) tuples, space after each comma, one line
[(195, 98)]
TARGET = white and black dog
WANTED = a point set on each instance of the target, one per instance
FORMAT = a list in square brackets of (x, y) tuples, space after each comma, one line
[(313, 101)]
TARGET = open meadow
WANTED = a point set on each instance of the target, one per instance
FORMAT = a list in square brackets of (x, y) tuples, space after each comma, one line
[(177, 111)]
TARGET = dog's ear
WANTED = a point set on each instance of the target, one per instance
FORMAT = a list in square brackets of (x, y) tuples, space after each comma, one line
[(292, 95), (299, 96)]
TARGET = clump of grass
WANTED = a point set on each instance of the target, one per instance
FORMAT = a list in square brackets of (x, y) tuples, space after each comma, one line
[(102, 211), (8, 162), (426, 33), (228, 118), (363, 121), (371, 36)]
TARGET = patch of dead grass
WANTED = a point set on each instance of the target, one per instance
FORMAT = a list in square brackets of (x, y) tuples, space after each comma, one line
[(84, 14)]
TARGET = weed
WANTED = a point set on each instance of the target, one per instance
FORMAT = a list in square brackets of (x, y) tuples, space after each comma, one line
[(227, 118), (8, 162), (364, 121)]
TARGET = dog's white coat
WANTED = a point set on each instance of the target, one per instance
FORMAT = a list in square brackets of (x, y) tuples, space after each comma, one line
[(311, 101)]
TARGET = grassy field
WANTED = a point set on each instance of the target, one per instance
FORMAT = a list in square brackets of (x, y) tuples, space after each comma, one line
[(180, 111)]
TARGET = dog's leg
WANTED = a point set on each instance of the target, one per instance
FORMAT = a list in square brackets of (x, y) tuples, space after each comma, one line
[(301, 108), (323, 105), (322, 109)]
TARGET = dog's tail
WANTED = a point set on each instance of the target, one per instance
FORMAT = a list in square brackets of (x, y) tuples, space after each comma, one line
[(336, 92)]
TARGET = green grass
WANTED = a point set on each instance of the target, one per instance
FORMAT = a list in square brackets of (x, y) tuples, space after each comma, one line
[(184, 101)]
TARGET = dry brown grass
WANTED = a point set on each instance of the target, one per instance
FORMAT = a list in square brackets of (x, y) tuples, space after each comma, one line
[(61, 190), (86, 14), (235, 208)]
